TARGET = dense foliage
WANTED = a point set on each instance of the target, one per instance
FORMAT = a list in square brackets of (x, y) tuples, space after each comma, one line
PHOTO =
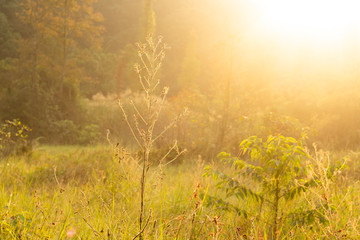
[(59, 61)]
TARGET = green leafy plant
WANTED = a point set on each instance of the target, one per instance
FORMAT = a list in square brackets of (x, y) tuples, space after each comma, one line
[(14, 138), (267, 182)]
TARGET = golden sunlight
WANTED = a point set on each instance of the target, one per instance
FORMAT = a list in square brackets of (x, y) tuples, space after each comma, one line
[(326, 21)]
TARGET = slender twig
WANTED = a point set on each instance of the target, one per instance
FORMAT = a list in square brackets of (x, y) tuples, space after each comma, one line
[(137, 111), (96, 233), (145, 66), (167, 154), (143, 229), (168, 127), (129, 125), (176, 157)]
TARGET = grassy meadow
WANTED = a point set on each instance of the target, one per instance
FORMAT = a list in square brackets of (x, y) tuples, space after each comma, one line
[(64, 192), (184, 120)]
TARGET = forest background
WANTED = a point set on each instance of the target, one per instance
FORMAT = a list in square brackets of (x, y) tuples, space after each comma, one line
[(65, 63)]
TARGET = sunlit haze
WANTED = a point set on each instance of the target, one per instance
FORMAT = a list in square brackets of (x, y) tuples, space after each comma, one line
[(318, 37), (179, 119), (316, 19)]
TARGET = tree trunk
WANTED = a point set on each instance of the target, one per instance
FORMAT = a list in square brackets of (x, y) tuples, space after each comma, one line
[(34, 74), (63, 73)]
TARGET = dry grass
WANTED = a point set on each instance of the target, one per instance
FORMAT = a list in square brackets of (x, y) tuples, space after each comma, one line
[(90, 196)]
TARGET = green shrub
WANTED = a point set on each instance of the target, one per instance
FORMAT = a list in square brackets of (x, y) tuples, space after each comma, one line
[(65, 132), (267, 184), (89, 134), (14, 138)]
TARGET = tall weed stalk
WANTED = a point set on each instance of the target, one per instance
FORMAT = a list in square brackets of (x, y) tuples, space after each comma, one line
[(144, 120)]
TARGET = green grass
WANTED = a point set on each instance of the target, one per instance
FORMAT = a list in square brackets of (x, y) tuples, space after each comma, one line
[(59, 189)]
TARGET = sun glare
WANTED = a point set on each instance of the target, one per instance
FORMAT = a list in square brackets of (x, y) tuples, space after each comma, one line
[(324, 20)]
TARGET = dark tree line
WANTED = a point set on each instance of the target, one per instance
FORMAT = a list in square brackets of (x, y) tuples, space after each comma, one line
[(64, 62)]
